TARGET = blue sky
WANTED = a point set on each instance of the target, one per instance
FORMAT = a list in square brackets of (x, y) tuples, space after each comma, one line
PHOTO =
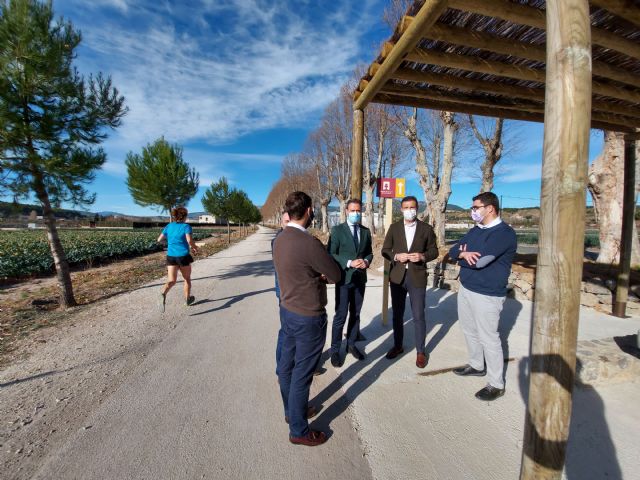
[(239, 84)]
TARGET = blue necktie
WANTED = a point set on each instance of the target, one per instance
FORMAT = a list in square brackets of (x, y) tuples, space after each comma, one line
[(355, 237)]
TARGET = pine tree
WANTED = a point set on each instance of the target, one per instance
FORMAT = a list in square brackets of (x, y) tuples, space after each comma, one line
[(51, 118), (160, 177)]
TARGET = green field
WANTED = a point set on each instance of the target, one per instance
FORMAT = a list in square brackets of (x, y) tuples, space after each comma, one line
[(26, 252)]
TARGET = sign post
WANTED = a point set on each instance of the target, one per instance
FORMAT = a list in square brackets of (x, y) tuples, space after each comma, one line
[(388, 188)]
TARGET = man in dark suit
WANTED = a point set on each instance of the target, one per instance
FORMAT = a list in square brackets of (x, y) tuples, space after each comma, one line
[(409, 245), (350, 246), (304, 267)]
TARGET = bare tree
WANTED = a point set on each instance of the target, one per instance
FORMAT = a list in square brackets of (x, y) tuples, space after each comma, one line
[(434, 164), (492, 147), (319, 159), (606, 178)]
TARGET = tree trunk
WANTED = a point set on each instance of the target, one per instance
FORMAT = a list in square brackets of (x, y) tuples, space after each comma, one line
[(325, 218), (606, 178), (343, 202), (228, 233), (492, 152), (57, 252)]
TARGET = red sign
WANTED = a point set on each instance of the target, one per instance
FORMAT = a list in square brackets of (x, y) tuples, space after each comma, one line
[(387, 187)]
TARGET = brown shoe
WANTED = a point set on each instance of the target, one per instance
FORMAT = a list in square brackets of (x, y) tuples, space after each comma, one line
[(311, 439), (422, 359), (311, 412), (394, 352)]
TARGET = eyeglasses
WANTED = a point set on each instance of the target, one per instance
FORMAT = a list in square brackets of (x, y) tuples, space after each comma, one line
[(477, 207)]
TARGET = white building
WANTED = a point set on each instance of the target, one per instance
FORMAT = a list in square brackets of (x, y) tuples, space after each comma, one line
[(210, 219)]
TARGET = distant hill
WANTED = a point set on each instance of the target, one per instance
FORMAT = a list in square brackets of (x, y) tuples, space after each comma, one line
[(10, 209)]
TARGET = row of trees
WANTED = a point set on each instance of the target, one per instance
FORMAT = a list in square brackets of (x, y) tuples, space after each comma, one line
[(397, 140), (52, 121)]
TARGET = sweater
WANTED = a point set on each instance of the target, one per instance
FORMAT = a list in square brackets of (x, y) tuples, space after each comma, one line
[(497, 247), (300, 259)]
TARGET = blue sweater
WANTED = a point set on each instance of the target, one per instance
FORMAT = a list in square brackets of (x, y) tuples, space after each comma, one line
[(497, 247)]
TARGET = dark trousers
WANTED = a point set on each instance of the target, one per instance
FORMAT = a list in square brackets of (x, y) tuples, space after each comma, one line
[(348, 301), (302, 342), (417, 299)]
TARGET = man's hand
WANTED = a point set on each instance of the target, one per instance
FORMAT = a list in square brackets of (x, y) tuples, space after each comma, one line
[(359, 263), (470, 257), (416, 257), (402, 257)]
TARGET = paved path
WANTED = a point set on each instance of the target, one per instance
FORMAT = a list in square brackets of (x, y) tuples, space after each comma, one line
[(204, 403)]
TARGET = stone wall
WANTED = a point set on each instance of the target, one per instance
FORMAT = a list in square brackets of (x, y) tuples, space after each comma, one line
[(597, 291)]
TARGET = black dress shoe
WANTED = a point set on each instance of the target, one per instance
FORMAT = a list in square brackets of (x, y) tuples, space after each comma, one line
[(335, 359), (355, 352), (489, 393), (394, 352), (469, 371)]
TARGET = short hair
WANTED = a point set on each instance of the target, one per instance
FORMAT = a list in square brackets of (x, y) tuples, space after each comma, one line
[(179, 214), (296, 204), (410, 198), (353, 200), (489, 198)]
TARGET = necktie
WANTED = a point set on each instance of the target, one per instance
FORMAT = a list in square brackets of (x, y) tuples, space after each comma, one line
[(355, 237)]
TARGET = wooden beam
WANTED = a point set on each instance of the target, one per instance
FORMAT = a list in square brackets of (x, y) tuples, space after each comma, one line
[(626, 239), (619, 121), (554, 333), (387, 47), (511, 91), (427, 16), (473, 64), (373, 69), (357, 150), (496, 112), (363, 84), (428, 94), (626, 9), (534, 17), (537, 53)]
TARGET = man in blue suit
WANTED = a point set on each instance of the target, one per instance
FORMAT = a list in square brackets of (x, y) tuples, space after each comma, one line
[(350, 246)]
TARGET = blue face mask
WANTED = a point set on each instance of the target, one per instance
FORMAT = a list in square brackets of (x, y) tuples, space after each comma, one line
[(354, 217)]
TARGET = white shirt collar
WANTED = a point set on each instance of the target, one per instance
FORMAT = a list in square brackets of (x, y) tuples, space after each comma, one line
[(295, 225), (410, 225), (495, 222)]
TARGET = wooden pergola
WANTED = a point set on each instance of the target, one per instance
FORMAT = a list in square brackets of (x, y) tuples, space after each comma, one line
[(572, 64)]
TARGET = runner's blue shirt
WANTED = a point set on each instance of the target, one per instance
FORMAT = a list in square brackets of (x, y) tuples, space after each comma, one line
[(176, 239)]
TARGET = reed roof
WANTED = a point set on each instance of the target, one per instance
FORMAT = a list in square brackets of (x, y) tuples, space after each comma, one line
[(488, 57)]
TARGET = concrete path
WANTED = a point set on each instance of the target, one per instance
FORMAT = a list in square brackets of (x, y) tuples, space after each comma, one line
[(205, 403)]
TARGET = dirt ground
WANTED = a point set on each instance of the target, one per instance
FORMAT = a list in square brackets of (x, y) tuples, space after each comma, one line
[(32, 304)]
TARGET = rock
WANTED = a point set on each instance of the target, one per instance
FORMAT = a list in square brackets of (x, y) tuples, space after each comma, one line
[(523, 285), (610, 284), (595, 286), (606, 299), (520, 296), (527, 277), (588, 299)]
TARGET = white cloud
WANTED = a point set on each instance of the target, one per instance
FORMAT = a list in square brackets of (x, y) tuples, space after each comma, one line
[(242, 66), (521, 173)]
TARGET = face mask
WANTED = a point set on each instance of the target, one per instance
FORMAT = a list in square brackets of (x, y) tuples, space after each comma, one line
[(409, 214), (354, 217), (476, 216), (310, 221)]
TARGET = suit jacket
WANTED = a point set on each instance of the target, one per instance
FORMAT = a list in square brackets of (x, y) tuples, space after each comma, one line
[(424, 242), (342, 249)]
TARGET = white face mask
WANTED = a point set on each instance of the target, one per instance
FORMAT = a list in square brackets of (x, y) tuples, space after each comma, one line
[(477, 217), (409, 214)]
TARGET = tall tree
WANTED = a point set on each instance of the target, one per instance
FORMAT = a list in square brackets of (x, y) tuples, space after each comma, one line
[(218, 201), (434, 169), (606, 178), (160, 177), (51, 118), (492, 147)]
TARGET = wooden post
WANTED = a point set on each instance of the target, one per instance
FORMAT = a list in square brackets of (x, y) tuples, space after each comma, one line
[(560, 258), (388, 218), (626, 239), (357, 154)]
